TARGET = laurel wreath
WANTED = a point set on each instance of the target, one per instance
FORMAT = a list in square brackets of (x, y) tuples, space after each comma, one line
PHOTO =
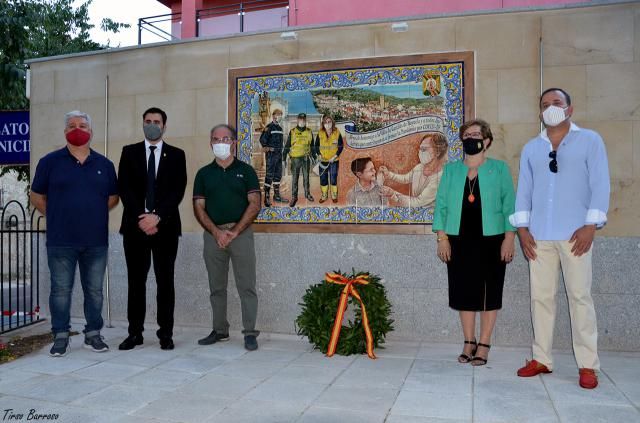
[(319, 307)]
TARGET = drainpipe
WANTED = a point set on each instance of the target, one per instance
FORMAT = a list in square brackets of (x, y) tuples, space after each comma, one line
[(106, 154), (541, 61)]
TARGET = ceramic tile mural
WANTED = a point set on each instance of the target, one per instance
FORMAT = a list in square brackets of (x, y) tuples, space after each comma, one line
[(396, 123)]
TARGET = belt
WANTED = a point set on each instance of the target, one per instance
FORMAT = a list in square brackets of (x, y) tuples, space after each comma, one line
[(227, 225)]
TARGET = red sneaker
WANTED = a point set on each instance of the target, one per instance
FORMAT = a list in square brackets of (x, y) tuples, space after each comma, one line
[(588, 378), (533, 368)]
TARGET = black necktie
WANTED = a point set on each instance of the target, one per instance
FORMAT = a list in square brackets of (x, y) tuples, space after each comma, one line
[(150, 198)]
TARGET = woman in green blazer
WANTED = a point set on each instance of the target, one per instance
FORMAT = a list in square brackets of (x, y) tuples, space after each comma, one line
[(474, 200)]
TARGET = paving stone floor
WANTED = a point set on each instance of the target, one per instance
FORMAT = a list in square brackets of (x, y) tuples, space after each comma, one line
[(286, 381)]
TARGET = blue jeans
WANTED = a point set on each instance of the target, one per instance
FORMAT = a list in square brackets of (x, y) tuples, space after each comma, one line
[(92, 262), (330, 174)]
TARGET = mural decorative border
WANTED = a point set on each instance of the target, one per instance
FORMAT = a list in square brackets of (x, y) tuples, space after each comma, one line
[(456, 72)]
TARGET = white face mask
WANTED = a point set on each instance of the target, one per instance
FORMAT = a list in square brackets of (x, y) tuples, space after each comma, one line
[(222, 150), (328, 128), (554, 115), (425, 156), (302, 123)]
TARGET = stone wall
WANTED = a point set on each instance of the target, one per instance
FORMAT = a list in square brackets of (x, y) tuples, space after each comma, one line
[(414, 277), (593, 52)]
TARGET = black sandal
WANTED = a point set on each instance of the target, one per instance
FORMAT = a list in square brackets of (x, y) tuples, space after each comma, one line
[(480, 361), (463, 358)]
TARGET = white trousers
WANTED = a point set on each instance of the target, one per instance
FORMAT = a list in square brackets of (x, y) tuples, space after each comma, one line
[(553, 256)]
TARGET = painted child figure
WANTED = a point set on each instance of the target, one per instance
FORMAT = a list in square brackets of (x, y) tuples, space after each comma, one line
[(367, 191)]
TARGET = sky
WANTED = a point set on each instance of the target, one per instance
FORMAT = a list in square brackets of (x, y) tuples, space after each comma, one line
[(124, 11)]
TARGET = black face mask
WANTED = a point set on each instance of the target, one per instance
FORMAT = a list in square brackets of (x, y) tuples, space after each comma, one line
[(472, 146)]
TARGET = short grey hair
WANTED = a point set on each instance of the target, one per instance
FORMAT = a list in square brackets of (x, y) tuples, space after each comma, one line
[(229, 128), (76, 113)]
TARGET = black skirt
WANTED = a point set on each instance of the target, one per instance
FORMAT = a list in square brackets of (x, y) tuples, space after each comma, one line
[(476, 272)]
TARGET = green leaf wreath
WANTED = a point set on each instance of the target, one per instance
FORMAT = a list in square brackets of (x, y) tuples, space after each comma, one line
[(319, 307)]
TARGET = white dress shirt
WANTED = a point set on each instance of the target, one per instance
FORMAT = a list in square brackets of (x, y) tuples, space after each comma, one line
[(156, 152), (554, 205)]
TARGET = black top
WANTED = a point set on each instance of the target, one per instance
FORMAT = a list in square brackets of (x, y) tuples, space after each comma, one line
[(471, 217), (170, 184), (272, 137)]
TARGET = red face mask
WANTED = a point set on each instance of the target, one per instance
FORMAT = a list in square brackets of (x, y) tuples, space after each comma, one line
[(78, 137)]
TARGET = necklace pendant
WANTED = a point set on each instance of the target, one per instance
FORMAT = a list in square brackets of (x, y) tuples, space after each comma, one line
[(471, 198)]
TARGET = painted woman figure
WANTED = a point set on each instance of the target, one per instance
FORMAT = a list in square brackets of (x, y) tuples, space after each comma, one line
[(475, 199), (328, 146), (424, 177)]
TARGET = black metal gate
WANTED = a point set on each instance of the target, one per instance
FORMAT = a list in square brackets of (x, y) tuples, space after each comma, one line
[(21, 235)]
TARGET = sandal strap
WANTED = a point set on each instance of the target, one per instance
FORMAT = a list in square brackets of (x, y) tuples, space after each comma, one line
[(480, 344), (465, 357), (471, 342), (479, 359)]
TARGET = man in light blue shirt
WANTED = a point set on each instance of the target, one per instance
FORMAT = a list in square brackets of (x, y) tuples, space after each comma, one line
[(562, 198)]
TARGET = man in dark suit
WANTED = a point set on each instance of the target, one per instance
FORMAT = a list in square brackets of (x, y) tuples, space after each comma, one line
[(152, 181)]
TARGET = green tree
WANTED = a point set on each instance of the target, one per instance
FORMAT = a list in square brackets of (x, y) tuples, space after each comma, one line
[(40, 28)]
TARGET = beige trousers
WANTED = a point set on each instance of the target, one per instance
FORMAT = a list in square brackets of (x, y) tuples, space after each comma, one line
[(544, 276)]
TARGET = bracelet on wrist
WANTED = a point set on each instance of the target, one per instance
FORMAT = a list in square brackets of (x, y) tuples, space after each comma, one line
[(442, 238)]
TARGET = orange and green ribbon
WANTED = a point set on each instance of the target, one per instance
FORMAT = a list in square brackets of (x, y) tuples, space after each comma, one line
[(349, 290)]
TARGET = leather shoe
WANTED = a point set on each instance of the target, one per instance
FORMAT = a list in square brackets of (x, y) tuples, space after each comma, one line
[(213, 337), (131, 342), (309, 197), (533, 368), (250, 342), (166, 344), (588, 378), (293, 202)]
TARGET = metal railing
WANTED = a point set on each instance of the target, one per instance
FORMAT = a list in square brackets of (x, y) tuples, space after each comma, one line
[(20, 236), (240, 8), (243, 10), (150, 24)]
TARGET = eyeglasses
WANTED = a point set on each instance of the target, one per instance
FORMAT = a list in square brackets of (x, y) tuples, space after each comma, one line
[(226, 140), (553, 164)]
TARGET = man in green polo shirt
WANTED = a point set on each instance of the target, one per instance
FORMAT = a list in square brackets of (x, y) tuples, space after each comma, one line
[(226, 201)]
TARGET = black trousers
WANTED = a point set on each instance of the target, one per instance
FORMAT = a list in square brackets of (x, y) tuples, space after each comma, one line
[(298, 165), (274, 168), (138, 249)]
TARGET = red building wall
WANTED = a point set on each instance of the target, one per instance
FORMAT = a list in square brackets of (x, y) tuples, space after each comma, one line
[(314, 12)]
